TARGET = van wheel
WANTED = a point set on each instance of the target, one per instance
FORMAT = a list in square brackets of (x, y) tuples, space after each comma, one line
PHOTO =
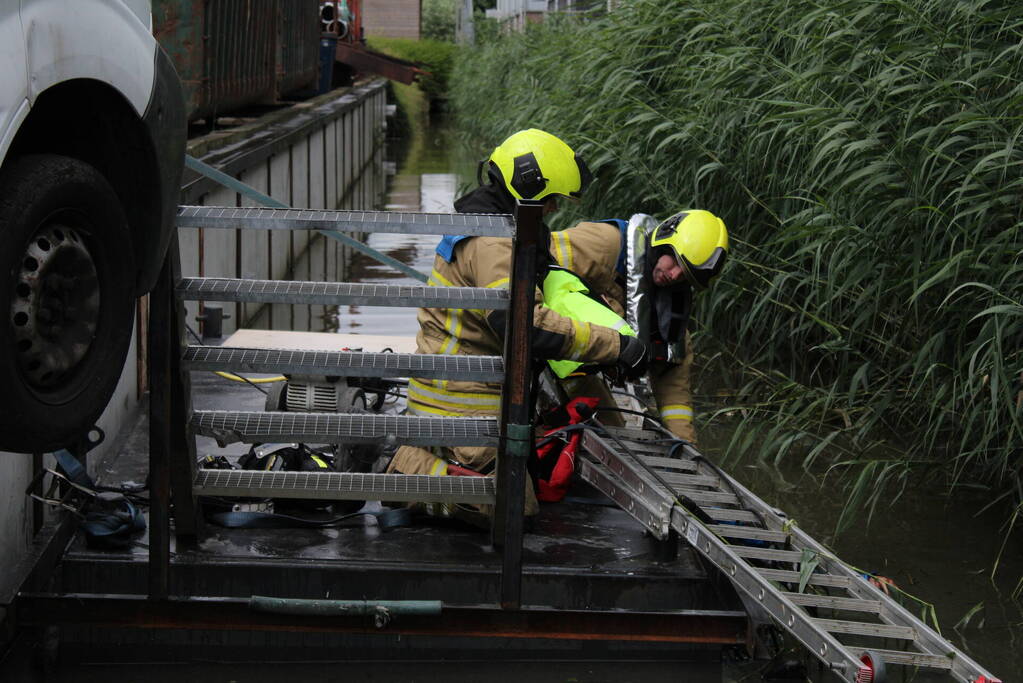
[(67, 282)]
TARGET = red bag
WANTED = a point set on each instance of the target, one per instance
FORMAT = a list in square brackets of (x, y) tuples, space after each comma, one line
[(556, 458)]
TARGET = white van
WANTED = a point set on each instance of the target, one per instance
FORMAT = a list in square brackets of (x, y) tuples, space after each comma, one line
[(92, 140)]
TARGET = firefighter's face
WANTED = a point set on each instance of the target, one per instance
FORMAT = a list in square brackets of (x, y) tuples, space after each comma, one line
[(550, 205), (668, 271)]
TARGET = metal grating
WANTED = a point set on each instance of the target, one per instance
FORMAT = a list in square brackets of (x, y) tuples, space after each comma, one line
[(252, 427), (345, 363), (472, 224), (338, 293), (344, 486)]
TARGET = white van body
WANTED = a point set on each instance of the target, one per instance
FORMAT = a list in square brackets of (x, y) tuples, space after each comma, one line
[(86, 94)]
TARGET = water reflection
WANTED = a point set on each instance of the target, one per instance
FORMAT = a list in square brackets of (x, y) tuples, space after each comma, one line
[(422, 183)]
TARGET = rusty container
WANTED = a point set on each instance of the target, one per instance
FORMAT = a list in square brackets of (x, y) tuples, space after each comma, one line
[(235, 53)]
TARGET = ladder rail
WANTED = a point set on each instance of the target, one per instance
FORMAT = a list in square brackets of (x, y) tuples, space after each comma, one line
[(798, 622), (891, 612), (636, 480)]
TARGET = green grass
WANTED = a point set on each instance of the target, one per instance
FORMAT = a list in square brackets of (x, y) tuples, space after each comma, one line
[(866, 156), (436, 57)]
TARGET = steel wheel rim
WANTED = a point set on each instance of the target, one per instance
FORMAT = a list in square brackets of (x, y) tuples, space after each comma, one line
[(55, 307)]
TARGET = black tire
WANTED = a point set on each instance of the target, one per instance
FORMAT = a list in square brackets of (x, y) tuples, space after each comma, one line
[(67, 277)]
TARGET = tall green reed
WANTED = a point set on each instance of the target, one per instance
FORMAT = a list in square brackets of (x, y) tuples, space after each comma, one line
[(866, 157)]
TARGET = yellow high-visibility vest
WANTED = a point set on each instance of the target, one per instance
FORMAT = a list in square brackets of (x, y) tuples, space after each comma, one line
[(565, 294)]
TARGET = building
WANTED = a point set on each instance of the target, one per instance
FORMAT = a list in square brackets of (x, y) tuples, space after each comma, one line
[(392, 18)]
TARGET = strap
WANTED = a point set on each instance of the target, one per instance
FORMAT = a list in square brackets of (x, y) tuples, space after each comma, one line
[(73, 468), (112, 528)]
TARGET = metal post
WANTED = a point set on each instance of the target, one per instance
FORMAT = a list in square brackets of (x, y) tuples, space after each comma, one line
[(516, 404), (161, 312)]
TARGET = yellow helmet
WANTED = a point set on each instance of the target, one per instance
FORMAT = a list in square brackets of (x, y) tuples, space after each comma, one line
[(699, 241), (533, 164)]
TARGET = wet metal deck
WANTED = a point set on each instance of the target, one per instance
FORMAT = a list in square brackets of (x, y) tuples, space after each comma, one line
[(590, 574)]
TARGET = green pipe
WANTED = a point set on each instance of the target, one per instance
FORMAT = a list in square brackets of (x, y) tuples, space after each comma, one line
[(342, 608), (266, 200)]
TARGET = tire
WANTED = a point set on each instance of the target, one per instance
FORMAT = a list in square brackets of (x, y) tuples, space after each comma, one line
[(67, 277)]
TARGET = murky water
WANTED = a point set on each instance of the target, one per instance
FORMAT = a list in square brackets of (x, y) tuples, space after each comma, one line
[(936, 547), (426, 180)]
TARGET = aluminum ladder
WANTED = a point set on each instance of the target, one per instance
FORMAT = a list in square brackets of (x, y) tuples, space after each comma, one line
[(762, 553), (173, 423)]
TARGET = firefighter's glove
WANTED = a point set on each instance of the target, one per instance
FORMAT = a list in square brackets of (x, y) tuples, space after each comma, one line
[(632, 358)]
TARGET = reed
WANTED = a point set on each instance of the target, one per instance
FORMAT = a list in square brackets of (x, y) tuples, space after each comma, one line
[(866, 156)]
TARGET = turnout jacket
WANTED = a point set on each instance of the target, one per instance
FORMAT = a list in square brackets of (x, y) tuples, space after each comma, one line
[(591, 251)]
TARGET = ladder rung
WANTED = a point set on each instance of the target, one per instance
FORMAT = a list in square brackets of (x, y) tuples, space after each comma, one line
[(864, 629), (920, 659), (737, 531), (344, 486), (730, 514), (701, 496), (690, 479), (255, 427), (850, 604), (337, 293), (669, 463), (344, 363), (816, 579), (642, 435), (766, 553), (406, 223)]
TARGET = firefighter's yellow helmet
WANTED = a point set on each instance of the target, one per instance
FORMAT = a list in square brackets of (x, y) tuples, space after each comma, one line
[(533, 164), (699, 241)]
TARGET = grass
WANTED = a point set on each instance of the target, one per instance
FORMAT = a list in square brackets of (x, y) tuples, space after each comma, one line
[(866, 156), (437, 58)]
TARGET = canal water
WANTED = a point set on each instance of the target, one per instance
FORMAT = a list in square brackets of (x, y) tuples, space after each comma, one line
[(935, 546)]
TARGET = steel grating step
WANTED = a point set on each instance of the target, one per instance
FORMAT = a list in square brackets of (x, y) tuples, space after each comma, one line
[(406, 223), (344, 486), (344, 363), (254, 427), (338, 293)]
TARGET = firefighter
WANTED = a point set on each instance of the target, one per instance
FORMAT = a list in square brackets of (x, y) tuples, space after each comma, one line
[(579, 318)]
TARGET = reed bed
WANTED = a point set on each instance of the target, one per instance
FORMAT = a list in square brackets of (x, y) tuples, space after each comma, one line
[(867, 158)]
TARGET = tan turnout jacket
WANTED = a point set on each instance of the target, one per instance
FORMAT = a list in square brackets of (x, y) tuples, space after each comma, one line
[(587, 249)]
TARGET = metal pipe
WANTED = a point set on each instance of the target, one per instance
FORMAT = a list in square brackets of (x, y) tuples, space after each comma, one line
[(234, 614), (351, 608)]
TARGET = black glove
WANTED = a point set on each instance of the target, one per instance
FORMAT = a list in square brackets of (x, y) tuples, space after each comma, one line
[(631, 357)]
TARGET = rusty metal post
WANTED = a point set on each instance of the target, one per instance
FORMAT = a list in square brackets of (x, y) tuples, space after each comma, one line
[(161, 345), (516, 403)]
